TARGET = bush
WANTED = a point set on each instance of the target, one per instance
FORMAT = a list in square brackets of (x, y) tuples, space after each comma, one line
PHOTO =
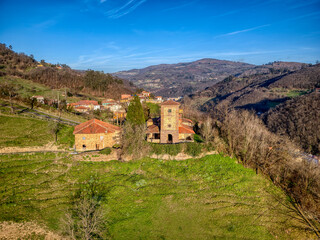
[(171, 149), (197, 138), (105, 151), (193, 149)]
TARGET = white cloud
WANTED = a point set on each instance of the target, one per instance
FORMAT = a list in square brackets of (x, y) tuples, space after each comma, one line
[(128, 7), (244, 30)]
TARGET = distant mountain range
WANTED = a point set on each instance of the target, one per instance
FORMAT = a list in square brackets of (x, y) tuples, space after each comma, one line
[(170, 80)]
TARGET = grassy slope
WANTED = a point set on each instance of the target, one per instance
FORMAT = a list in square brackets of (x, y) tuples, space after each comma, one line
[(18, 131), (208, 198)]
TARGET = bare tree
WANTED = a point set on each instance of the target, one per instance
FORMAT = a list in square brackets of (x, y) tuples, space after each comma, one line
[(86, 222), (54, 128), (207, 130), (8, 91)]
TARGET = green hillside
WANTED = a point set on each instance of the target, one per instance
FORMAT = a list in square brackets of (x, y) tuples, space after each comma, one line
[(208, 198)]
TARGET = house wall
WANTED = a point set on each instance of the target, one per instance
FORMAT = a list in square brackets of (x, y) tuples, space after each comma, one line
[(91, 141), (183, 136)]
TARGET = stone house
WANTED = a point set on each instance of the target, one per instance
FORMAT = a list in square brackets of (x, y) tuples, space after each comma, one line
[(170, 127), (95, 134)]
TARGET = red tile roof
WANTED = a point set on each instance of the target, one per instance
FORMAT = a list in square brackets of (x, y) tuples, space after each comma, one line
[(153, 129), (170, 102), (87, 102), (94, 126), (185, 129), (186, 120)]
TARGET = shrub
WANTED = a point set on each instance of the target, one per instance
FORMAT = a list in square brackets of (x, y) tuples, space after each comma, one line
[(105, 151), (171, 149), (193, 149), (197, 138)]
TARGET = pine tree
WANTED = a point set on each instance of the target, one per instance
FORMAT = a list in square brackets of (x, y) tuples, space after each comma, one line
[(135, 113)]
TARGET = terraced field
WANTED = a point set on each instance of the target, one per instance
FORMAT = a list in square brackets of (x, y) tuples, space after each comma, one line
[(208, 198)]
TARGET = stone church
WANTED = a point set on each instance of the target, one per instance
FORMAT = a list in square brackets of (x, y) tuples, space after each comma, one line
[(170, 127)]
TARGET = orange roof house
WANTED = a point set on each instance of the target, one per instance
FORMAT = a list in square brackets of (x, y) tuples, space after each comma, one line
[(91, 104), (95, 134), (170, 127), (125, 96)]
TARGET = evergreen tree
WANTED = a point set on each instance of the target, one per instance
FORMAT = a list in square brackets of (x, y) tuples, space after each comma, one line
[(135, 113)]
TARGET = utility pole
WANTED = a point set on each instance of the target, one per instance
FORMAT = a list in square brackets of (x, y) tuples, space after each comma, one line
[(58, 105)]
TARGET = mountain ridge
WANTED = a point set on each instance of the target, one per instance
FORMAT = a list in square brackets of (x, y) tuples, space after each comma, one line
[(184, 78)]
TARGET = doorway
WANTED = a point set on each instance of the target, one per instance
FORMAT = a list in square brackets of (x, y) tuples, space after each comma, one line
[(169, 138)]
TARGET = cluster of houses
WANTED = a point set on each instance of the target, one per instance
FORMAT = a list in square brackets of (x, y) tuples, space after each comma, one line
[(144, 97), (169, 128), (114, 106), (117, 107)]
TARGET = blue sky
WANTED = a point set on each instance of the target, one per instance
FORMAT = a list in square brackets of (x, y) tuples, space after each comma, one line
[(113, 35)]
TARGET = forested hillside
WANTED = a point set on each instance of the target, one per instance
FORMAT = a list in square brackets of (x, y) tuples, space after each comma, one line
[(60, 75), (298, 119), (297, 114)]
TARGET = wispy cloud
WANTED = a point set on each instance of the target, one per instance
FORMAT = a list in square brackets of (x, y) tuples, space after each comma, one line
[(242, 31), (316, 13), (180, 6), (128, 59), (44, 24), (126, 8)]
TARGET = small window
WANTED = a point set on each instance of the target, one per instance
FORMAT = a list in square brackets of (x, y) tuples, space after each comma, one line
[(169, 110), (169, 125), (83, 138)]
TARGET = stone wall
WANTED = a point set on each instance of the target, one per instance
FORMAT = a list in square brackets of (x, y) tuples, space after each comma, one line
[(169, 123)]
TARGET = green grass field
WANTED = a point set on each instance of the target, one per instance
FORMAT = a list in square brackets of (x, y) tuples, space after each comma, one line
[(16, 131), (208, 198)]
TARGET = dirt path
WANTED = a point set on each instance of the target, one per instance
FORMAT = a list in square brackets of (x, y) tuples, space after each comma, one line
[(50, 147), (27, 230)]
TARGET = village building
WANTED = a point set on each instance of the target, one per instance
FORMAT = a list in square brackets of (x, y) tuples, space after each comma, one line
[(116, 107), (175, 98), (159, 99), (95, 134), (170, 127), (119, 116), (82, 109), (109, 101), (126, 98), (40, 99), (90, 104), (145, 94)]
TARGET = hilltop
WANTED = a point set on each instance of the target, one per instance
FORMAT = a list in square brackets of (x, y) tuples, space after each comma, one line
[(181, 79), (57, 76)]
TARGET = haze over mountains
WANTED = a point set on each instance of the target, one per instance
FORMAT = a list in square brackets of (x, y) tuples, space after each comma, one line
[(171, 80)]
